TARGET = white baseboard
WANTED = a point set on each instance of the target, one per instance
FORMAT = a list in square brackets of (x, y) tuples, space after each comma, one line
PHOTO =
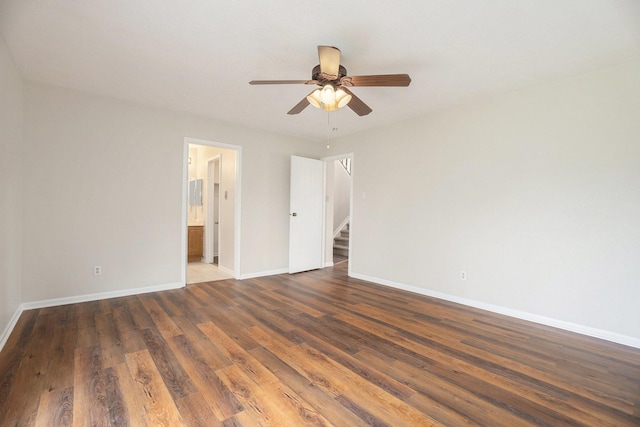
[(264, 273), (226, 270), (99, 296), (561, 324), (12, 324), (79, 298)]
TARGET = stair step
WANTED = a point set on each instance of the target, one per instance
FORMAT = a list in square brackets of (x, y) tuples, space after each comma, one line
[(341, 242), (341, 250)]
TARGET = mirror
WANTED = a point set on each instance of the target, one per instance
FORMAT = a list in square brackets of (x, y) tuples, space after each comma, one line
[(195, 192)]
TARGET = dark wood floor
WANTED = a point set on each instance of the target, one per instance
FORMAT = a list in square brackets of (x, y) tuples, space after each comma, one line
[(315, 348)]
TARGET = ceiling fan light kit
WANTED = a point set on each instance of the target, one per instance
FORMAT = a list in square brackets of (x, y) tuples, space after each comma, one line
[(333, 81), (328, 98)]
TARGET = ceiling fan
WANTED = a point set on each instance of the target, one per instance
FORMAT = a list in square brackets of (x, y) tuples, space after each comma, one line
[(334, 82)]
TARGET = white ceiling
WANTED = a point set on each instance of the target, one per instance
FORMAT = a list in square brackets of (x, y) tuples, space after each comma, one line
[(198, 56)]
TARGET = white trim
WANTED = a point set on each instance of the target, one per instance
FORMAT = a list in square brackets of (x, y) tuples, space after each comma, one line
[(225, 270), (238, 199), (99, 296), (12, 324), (264, 273), (561, 324), (328, 264), (185, 215)]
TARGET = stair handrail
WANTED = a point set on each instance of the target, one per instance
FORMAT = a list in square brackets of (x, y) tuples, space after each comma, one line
[(346, 164)]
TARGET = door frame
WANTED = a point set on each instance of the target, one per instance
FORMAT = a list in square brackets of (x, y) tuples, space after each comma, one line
[(237, 205)]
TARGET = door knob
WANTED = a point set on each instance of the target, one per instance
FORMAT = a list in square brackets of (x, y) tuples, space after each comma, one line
[(294, 214)]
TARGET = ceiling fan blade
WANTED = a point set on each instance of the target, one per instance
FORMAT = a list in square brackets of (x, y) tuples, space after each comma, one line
[(356, 104), (378, 80), (299, 107), (283, 82), (329, 61)]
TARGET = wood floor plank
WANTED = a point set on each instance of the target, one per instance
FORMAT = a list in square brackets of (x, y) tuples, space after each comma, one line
[(160, 318), (212, 355), (159, 406), (196, 412), (109, 339), (10, 360), (139, 315), (295, 304), (282, 398), (86, 321), (59, 372), (186, 302), (267, 315), (265, 403), (127, 331), (173, 374), (118, 410), (22, 330), (373, 374), (29, 379), (55, 408), (131, 394), (313, 348), (538, 381), (335, 413), (222, 403), (338, 380), (496, 387), (238, 355), (90, 405)]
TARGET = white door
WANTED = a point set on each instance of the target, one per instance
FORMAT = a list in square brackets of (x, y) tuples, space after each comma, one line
[(306, 214)]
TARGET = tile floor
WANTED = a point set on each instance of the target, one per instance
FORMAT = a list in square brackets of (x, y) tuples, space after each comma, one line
[(198, 272)]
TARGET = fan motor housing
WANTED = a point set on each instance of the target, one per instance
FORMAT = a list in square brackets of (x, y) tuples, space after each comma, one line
[(316, 74)]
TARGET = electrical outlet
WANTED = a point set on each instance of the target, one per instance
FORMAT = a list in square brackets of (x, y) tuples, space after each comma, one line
[(97, 270), (463, 275)]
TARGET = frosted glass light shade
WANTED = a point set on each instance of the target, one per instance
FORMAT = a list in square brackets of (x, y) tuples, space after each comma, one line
[(342, 98), (314, 98), (330, 107), (328, 98), (328, 95)]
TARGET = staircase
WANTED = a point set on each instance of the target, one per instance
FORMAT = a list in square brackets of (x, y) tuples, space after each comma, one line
[(341, 242)]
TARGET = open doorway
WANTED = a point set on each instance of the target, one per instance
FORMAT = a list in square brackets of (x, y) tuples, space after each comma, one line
[(211, 213), (339, 192)]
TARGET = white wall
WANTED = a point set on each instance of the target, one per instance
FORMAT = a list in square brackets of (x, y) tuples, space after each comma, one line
[(535, 194), (103, 185), (11, 101)]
